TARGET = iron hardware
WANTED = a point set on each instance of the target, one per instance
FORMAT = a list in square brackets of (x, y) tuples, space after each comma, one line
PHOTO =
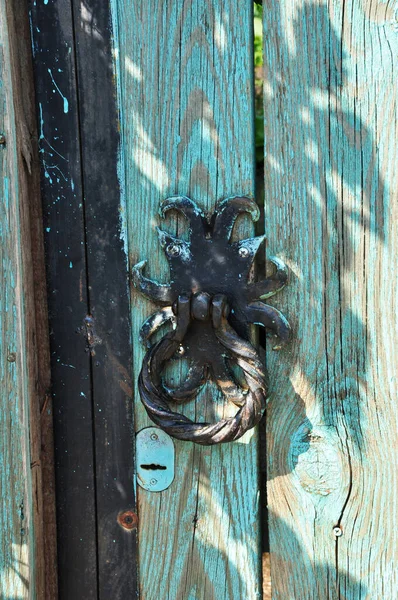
[(210, 303)]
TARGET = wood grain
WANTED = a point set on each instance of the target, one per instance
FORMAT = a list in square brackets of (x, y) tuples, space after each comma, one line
[(330, 103), (27, 532), (35, 303), (185, 79)]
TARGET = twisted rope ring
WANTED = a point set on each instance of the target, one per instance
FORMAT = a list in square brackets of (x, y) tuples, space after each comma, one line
[(156, 400)]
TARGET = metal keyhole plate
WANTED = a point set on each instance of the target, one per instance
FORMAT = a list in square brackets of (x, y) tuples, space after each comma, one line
[(155, 459)]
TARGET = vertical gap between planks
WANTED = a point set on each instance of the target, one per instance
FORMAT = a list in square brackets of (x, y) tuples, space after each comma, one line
[(258, 96)]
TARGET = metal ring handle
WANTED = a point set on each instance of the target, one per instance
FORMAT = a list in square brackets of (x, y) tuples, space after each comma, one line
[(156, 400)]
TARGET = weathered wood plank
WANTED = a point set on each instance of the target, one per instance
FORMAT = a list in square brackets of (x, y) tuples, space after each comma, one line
[(111, 351), (27, 535), (187, 127), (35, 303), (62, 194), (331, 211)]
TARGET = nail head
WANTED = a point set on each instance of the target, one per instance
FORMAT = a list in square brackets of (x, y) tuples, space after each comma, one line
[(173, 250)]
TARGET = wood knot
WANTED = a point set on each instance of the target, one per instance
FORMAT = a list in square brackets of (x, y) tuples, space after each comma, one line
[(316, 459)]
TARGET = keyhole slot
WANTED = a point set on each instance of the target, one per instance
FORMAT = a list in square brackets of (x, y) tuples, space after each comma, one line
[(153, 467)]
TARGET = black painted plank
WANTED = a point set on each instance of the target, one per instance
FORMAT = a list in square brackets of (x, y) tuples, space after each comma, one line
[(62, 196), (109, 300), (91, 134)]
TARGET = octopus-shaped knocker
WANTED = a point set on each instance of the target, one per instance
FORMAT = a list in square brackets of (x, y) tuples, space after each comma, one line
[(210, 302)]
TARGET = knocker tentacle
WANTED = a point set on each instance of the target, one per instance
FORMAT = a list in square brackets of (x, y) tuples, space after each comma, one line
[(227, 213), (270, 286), (210, 304), (155, 291)]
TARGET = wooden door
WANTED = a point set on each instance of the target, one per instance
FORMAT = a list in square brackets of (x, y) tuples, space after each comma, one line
[(138, 101)]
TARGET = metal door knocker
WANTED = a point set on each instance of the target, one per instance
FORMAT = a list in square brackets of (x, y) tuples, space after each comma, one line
[(210, 303)]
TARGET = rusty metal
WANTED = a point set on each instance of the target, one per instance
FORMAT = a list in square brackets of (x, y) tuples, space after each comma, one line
[(128, 520), (210, 303)]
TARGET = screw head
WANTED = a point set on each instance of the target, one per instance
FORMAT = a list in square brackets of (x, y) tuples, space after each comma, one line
[(154, 437), (2, 139), (181, 350), (338, 532), (153, 481), (243, 252), (173, 250), (128, 519), (12, 357)]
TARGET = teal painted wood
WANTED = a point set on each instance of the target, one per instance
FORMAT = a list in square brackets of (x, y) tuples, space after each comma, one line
[(17, 549), (331, 212), (185, 81)]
